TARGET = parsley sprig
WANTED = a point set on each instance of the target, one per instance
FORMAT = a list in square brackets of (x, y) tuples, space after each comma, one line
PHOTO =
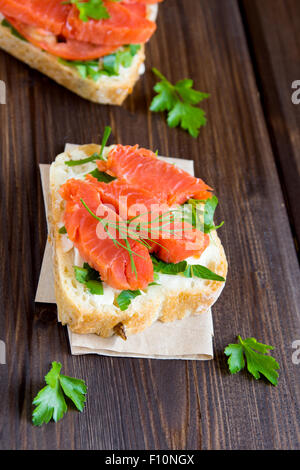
[(257, 360), (50, 401), (179, 100), (92, 9)]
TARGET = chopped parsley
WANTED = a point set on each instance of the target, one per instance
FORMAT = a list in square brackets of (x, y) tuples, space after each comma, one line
[(125, 297), (109, 65), (90, 278)]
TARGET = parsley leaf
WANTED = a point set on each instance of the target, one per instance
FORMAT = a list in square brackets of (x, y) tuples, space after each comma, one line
[(165, 99), (90, 278), (257, 360), (50, 401), (209, 212), (62, 230), (80, 274), (184, 268), (95, 287), (179, 100), (75, 389), (188, 94), (125, 297), (160, 266), (188, 117), (210, 206), (123, 57), (92, 9), (102, 176), (109, 65), (202, 272)]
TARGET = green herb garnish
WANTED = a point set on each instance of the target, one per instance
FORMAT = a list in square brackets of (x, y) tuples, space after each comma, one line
[(179, 100), (95, 156), (106, 134), (209, 212), (92, 158), (85, 68), (102, 176), (257, 360), (196, 270), (62, 230), (109, 65), (90, 278), (123, 57), (95, 287), (50, 401), (125, 297), (160, 266), (92, 9), (184, 268), (13, 30)]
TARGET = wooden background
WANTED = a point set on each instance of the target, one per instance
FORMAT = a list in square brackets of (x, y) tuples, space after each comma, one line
[(246, 54)]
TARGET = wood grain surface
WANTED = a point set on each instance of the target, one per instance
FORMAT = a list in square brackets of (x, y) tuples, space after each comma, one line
[(273, 28), (152, 404)]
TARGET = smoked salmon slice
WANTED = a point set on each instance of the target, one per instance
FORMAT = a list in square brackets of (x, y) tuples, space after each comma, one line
[(127, 25), (70, 49), (94, 244), (172, 240), (141, 168), (191, 242), (56, 27), (50, 15)]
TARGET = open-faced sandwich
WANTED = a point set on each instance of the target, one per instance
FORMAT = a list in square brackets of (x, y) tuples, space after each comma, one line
[(93, 47), (134, 240)]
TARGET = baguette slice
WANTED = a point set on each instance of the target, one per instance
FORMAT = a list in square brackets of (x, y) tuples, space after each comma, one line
[(175, 298), (106, 90)]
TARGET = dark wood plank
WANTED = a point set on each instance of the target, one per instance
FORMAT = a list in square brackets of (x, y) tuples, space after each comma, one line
[(136, 404), (273, 31)]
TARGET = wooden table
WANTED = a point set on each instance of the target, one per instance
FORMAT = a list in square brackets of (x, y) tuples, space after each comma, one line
[(246, 54)]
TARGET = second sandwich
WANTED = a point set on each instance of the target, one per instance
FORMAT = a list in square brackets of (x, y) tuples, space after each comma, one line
[(93, 47)]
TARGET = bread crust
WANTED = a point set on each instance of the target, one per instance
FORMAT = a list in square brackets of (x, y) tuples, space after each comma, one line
[(161, 303), (107, 90)]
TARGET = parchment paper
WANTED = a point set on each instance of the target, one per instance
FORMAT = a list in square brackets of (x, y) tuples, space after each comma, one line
[(190, 338)]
